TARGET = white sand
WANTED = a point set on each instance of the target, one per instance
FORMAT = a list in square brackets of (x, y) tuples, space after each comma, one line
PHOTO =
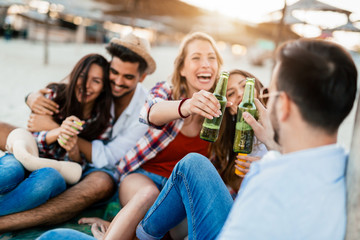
[(22, 71)]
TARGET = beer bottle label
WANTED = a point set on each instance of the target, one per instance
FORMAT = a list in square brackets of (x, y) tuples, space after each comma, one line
[(210, 128)]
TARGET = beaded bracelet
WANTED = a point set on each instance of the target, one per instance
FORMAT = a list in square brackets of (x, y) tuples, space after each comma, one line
[(182, 101)]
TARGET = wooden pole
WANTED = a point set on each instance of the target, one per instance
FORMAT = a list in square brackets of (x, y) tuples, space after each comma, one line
[(46, 38), (80, 34), (353, 182), (278, 38)]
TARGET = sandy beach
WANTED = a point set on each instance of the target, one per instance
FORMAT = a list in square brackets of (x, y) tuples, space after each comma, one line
[(22, 71)]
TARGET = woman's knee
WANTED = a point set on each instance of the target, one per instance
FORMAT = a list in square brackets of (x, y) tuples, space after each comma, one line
[(149, 193), (195, 165), (137, 184), (194, 160)]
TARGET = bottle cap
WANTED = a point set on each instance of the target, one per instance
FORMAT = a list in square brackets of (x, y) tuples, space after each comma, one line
[(224, 73), (250, 79)]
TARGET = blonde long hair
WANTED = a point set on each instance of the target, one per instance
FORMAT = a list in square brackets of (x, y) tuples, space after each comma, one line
[(180, 87)]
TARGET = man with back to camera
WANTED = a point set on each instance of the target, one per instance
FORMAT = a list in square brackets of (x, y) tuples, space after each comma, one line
[(131, 62), (299, 193)]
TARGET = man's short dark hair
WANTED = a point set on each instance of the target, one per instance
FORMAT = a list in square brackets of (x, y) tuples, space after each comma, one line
[(126, 55), (321, 78)]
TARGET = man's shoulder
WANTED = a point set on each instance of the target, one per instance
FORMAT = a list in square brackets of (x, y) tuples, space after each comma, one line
[(297, 180), (289, 193), (141, 88)]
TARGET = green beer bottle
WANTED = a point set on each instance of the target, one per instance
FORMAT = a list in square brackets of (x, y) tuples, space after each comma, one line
[(210, 127), (244, 134)]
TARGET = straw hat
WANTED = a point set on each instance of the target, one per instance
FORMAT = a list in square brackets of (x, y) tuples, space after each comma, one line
[(140, 46)]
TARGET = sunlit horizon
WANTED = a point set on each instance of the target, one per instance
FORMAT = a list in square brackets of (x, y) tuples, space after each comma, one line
[(257, 11)]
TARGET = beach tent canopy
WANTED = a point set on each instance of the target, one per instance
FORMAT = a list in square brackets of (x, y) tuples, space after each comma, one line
[(349, 27), (288, 20), (316, 6), (269, 30)]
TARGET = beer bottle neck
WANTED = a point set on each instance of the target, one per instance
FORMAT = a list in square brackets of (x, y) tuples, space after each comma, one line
[(221, 85), (249, 93)]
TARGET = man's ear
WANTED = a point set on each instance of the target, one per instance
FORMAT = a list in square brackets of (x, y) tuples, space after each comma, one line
[(142, 77), (284, 106)]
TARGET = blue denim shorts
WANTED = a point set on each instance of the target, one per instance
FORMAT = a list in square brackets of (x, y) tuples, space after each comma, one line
[(157, 179), (113, 173)]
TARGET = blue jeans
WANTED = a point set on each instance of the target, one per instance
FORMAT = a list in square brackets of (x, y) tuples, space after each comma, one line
[(19, 193), (64, 234), (194, 190)]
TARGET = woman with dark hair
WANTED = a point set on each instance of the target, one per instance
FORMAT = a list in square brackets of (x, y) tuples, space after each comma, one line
[(86, 96), (222, 154), (84, 100)]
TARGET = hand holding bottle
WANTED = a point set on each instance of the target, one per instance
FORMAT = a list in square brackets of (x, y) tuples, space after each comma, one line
[(67, 138), (69, 128), (262, 127), (242, 164), (202, 103), (244, 134), (211, 126)]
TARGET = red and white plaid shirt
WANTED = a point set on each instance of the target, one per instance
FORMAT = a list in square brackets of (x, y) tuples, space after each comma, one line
[(156, 138), (54, 150)]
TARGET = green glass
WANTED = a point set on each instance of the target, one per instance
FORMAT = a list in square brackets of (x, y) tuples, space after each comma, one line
[(210, 128), (244, 134)]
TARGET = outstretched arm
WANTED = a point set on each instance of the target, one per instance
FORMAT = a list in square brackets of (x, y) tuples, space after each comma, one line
[(202, 103)]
